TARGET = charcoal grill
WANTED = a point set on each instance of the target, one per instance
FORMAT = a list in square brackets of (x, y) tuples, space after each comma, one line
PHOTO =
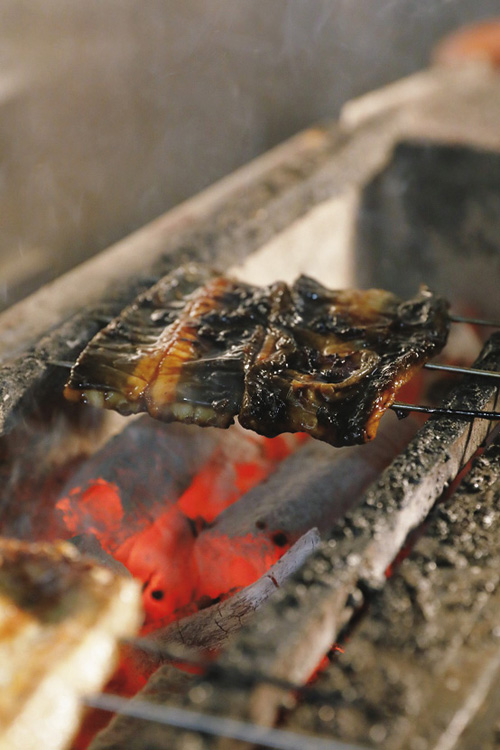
[(395, 194)]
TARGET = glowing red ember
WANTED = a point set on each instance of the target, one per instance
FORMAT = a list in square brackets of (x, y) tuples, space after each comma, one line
[(181, 567), (98, 511)]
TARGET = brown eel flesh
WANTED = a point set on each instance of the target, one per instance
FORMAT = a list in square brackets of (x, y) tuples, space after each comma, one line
[(203, 348)]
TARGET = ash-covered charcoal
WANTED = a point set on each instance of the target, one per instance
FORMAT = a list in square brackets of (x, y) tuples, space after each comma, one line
[(203, 348), (422, 669)]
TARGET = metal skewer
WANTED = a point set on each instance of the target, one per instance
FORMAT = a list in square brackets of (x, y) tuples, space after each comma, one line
[(61, 363), (429, 366), (462, 370), (474, 321), (220, 726), (403, 409)]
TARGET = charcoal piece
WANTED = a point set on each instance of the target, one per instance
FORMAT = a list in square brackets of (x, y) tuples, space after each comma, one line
[(90, 546), (201, 348), (314, 486), (423, 667), (168, 456)]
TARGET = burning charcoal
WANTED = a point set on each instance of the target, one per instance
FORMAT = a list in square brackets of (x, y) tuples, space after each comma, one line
[(210, 628), (145, 498), (129, 482), (202, 348), (180, 562), (62, 616), (315, 486), (185, 559)]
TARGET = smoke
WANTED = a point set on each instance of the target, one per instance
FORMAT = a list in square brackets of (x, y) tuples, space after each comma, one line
[(126, 108)]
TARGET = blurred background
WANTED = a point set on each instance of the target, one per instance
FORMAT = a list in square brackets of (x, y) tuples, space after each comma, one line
[(113, 111)]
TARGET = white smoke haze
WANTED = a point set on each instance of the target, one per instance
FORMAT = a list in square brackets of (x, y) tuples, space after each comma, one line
[(112, 112)]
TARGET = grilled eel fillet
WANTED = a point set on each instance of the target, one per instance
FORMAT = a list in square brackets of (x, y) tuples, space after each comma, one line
[(60, 618), (204, 348)]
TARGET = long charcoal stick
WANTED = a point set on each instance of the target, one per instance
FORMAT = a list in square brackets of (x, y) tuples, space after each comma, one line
[(424, 664), (363, 544)]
